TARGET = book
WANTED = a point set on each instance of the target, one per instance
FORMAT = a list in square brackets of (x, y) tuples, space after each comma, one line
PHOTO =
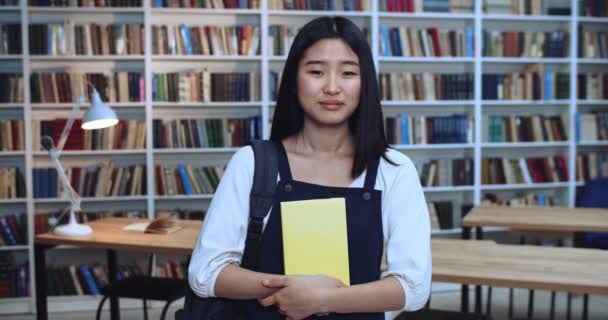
[(310, 247), (160, 225)]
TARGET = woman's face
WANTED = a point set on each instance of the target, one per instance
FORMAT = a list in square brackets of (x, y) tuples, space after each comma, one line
[(329, 82)]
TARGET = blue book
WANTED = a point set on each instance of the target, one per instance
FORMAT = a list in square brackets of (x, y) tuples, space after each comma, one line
[(385, 47), (9, 237), (548, 85), (22, 280), (405, 128), (44, 183), (185, 30), (577, 119), (395, 42), (184, 177), (36, 178), (49, 39), (541, 200), (86, 272), (158, 3), (469, 34), (52, 186)]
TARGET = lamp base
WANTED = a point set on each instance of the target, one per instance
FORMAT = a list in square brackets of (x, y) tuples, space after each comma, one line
[(73, 230)]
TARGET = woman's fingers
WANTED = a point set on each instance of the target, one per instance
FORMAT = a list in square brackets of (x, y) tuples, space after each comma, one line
[(275, 282)]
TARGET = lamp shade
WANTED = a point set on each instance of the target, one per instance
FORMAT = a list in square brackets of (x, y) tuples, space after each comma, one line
[(99, 115)]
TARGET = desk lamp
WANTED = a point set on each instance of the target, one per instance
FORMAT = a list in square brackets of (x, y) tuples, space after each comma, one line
[(98, 116)]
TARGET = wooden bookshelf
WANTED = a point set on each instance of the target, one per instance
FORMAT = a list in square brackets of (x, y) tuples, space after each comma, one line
[(148, 110)]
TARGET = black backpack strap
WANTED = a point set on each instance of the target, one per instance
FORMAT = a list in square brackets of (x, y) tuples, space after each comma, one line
[(261, 197)]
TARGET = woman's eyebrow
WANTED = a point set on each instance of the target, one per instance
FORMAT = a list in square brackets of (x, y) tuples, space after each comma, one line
[(347, 62)]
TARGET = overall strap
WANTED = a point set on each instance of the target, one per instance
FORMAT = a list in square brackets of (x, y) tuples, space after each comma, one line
[(370, 176), (284, 169), (261, 196)]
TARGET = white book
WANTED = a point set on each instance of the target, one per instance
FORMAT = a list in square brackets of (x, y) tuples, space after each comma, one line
[(523, 166), (255, 42)]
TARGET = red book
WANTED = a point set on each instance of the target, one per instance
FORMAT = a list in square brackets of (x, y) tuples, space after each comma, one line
[(160, 188), (436, 45)]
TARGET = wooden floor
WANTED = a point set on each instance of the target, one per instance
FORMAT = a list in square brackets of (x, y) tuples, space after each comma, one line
[(447, 300)]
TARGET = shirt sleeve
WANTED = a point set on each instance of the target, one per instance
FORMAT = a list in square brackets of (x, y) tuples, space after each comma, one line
[(408, 250), (222, 237)]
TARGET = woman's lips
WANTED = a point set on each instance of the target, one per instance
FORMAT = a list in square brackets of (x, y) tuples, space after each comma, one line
[(331, 105)]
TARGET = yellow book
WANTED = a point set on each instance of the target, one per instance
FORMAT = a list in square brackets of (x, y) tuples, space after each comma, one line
[(315, 240)]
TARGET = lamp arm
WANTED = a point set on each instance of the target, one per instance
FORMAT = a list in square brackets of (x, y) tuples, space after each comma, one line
[(68, 126), (67, 187)]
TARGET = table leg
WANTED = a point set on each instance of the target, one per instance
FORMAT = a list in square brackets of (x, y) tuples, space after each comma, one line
[(478, 303), (531, 304), (568, 305), (585, 306), (464, 291), (552, 311), (40, 276), (510, 303), (112, 271)]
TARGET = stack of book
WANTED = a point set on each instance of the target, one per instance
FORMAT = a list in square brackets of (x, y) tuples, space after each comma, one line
[(12, 135), (447, 172), (13, 229), (12, 183), (207, 4), (10, 39), (591, 165), (14, 277), (328, 5), (527, 199), (206, 133), (85, 3), (411, 6), (63, 87), (592, 86), (524, 170), (205, 86), (527, 44), (183, 39), (406, 86), (86, 39), (532, 83), (592, 44), (404, 129), (593, 8), (526, 128), (592, 126), (528, 7), (99, 180), (187, 179), (12, 84), (432, 42), (126, 134)]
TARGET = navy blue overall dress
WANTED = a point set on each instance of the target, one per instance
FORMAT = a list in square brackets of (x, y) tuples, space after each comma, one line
[(365, 236)]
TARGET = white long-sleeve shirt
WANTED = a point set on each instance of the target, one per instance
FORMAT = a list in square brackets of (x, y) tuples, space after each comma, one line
[(405, 225)]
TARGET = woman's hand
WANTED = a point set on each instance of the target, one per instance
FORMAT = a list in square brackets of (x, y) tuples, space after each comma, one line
[(300, 296)]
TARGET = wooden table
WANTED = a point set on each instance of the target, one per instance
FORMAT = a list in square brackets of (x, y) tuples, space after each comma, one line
[(539, 219), (574, 270), (108, 235)]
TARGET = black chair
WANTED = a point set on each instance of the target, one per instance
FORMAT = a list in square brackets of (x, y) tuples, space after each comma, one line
[(431, 314), (145, 288)]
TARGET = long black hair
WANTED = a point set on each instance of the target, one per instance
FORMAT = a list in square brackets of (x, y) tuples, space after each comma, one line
[(366, 123)]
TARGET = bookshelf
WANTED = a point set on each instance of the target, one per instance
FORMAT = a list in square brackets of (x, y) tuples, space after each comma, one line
[(147, 110)]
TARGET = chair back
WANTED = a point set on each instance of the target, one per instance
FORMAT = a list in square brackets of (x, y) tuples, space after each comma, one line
[(594, 195)]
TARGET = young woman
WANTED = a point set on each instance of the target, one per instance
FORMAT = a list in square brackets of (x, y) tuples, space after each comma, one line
[(328, 127)]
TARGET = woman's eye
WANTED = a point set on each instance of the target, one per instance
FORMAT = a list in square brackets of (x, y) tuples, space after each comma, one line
[(316, 72), (350, 73)]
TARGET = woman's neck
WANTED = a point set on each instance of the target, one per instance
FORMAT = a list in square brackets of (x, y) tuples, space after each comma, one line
[(330, 141)]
